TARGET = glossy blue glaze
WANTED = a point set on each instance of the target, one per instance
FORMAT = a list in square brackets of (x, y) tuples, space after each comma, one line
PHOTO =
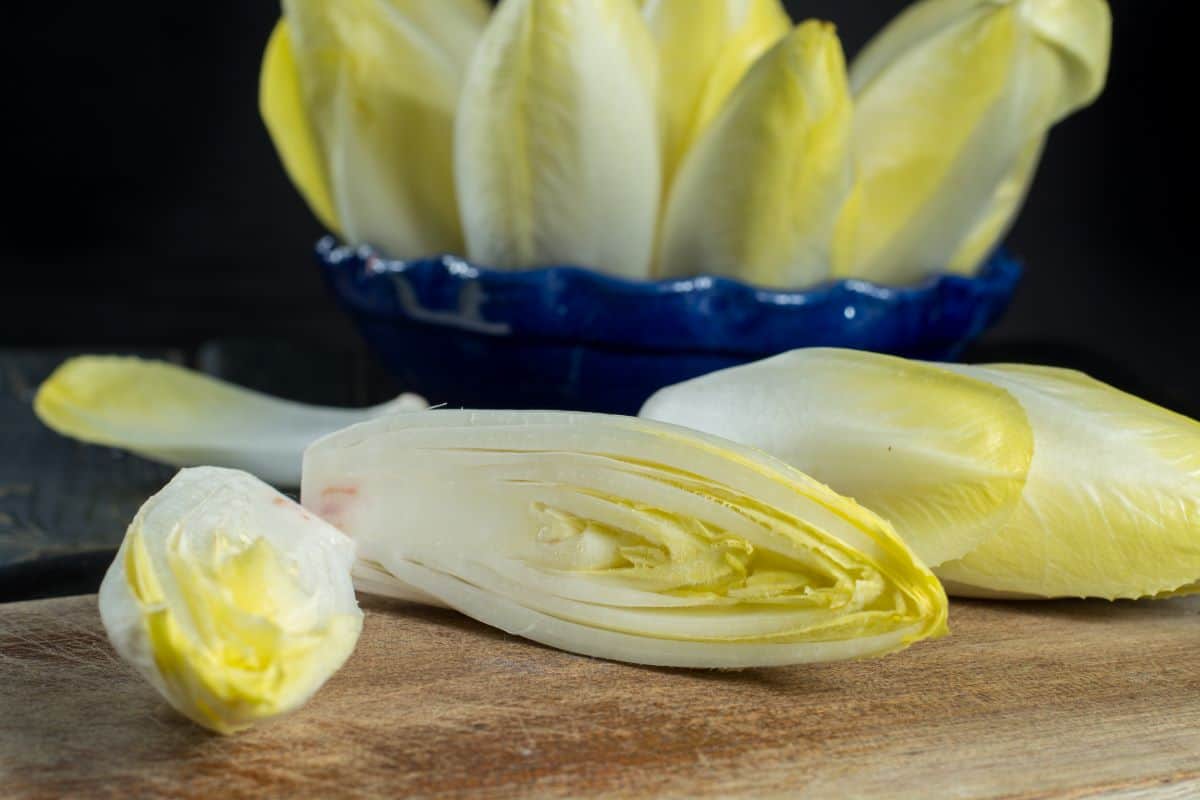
[(570, 338)]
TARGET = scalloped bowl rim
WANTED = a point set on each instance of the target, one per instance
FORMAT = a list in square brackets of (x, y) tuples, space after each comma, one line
[(997, 268), (705, 314)]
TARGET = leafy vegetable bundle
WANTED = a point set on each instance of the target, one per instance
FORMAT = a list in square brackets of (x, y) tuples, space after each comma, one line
[(678, 138)]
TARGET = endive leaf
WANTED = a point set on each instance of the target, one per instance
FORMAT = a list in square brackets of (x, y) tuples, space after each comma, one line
[(1112, 504), (620, 538), (557, 150), (999, 213), (281, 103), (174, 415), (953, 100), (941, 456), (380, 81), (704, 50), (759, 195), (230, 599)]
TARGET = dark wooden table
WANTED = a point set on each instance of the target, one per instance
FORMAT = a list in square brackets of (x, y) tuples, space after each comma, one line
[(1023, 700)]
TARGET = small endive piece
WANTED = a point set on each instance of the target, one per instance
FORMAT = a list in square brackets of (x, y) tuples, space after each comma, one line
[(620, 538), (234, 602), (1112, 504), (759, 195), (953, 102), (943, 457), (177, 416), (704, 50), (377, 82), (557, 149)]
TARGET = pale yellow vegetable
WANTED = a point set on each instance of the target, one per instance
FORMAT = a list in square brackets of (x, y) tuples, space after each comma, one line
[(234, 602), (759, 195), (557, 149), (281, 103), (360, 98), (185, 418), (620, 538), (1103, 502), (941, 456), (953, 102), (704, 50), (1112, 504)]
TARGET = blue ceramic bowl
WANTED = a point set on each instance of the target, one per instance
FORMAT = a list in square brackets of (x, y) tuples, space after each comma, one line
[(570, 338)]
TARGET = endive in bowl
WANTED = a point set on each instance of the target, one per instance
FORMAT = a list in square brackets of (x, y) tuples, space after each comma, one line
[(563, 195)]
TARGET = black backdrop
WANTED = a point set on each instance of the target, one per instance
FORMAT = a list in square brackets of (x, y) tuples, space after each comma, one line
[(147, 206)]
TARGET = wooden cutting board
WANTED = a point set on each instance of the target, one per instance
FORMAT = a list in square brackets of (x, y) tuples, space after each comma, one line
[(1071, 699)]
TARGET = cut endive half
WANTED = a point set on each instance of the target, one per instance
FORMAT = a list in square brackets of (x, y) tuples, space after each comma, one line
[(954, 100), (557, 147), (619, 538), (234, 602), (360, 98), (184, 418), (942, 456), (704, 50), (760, 194), (1112, 504)]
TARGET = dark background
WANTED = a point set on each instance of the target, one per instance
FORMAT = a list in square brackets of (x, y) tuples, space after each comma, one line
[(148, 207)]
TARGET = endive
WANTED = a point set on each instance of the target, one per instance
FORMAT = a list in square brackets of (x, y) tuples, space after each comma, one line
[(620, 538), (360, 98), (953, 102), (761, 192), (704, 50), (1112, 504), (943, 457), (174, 415), (234, 602), (1110, 501), (557, 148)]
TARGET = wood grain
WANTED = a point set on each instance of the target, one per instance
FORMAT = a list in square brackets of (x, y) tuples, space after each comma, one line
[(1063, 699)]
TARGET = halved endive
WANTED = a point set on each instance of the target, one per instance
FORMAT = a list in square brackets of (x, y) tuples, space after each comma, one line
[(557, 145), (1104, 501), (177, 416), (619, 538), (942, 456), (953, 103), (234, 602)]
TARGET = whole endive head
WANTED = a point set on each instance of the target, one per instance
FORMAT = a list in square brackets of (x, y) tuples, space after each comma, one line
[(1007, 479), (704, 50), (234, 602), (557, 144), (360, 98), (759, 194), (954, 100), (620, 538)]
